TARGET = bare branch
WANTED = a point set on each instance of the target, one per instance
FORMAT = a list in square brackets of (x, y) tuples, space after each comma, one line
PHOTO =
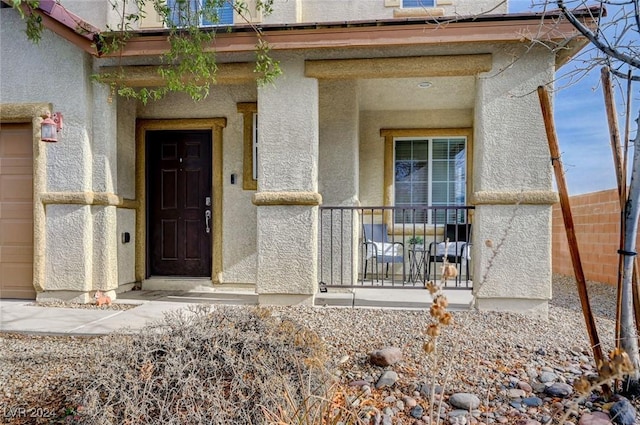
[(595, 40)]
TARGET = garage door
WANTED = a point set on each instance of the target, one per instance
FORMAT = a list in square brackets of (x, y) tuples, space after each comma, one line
[(16, 211)]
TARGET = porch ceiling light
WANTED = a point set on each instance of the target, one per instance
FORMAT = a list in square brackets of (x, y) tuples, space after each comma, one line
[(50, 127), (425, 84)]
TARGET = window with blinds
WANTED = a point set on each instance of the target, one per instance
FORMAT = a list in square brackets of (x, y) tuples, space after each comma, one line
[(190, 12), (429, 172), (418, 3)]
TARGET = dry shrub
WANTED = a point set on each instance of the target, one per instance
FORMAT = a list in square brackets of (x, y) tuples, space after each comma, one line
[(222, 366)]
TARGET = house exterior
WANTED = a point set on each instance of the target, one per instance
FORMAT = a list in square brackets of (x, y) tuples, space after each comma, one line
[(176, 193)]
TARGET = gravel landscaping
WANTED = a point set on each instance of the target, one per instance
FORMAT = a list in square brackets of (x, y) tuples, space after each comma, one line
[(487, 368)]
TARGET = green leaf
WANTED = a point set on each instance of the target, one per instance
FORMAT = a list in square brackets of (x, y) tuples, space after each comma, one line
[(189, 66)]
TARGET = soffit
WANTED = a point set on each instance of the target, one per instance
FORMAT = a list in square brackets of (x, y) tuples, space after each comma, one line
[(404, 94)]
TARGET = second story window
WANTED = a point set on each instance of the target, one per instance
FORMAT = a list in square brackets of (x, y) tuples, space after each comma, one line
[(418, 3), (199, 12)]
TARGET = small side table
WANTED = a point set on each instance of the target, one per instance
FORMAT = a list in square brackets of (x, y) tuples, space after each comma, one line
[(416, 263)]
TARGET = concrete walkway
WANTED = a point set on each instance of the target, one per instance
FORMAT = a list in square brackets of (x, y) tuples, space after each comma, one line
[(24, 317)]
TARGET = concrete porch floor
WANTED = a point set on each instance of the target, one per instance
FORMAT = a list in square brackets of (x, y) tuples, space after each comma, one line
[(366, 297)]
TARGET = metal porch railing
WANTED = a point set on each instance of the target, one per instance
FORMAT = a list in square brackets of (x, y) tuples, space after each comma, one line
[(393, 247)]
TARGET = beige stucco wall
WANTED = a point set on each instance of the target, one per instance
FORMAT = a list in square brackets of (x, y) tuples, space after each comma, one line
[(126, 160), (77, 238), (100, 14), (126, 251), (509, 123), (511, 243), (511, 162), (288, 162), (97, 12), (341, 10), (68, 241), (339, 141), (338, 179)]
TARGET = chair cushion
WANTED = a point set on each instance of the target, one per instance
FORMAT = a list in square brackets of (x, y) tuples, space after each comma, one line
[(457, 249), (385, 252)]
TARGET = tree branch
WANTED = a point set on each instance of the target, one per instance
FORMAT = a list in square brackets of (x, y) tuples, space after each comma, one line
[(625, 76), (595, 40)]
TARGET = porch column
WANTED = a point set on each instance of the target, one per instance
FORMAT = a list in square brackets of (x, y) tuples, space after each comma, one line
[(287, 196), (339, 181), (104, 185), (512, 186)]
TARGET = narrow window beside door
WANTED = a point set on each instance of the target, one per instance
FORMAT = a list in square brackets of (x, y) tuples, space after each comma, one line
[(249, 111)]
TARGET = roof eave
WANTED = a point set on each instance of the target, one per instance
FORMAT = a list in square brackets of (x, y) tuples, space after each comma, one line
[(519, 28)]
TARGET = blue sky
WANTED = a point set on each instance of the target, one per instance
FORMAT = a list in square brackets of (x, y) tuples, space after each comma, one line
[(582, 128)]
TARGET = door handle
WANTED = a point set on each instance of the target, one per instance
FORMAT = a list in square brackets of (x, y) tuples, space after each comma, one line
[(207, 220)]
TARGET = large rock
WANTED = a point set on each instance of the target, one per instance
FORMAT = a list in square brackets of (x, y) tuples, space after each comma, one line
[(417, 412), (388, 379), (465, 401), (559, 389), (623, 412), (548, 377), (386, 356), (532, 401), (524, 386), (595, 418)]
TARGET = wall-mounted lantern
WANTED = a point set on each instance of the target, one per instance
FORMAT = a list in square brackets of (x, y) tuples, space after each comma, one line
[(50, 127)]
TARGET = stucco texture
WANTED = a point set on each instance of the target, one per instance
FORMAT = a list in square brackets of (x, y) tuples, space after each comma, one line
[(126, 251), (288, 162), (512, 252), (69, 160), (126, 148), (287, 238), (341, 10), (75, 245), (69, 248), (288, 130), (314, 137), (511, 149), (511, 156), (338, 178)]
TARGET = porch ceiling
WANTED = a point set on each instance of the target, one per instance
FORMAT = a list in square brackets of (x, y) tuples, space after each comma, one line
[(405, 93)]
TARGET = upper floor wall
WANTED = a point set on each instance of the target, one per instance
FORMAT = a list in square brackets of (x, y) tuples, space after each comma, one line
[(101, 14)]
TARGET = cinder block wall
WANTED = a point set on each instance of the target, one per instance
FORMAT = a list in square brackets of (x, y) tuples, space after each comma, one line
[(596, 218)]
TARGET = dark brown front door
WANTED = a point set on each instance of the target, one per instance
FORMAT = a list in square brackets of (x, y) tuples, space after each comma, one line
[(179, 202)]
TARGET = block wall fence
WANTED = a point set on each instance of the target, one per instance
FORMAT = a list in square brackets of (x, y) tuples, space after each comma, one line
[(596, 218)]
